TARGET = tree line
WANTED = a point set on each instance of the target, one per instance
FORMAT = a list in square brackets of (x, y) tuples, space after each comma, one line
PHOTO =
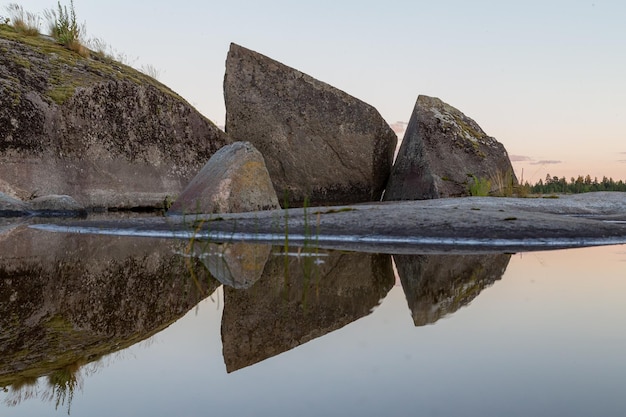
[(575, 185)]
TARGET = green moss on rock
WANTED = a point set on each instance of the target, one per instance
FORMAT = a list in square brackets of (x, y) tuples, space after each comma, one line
[(103, 132), (77, 70)]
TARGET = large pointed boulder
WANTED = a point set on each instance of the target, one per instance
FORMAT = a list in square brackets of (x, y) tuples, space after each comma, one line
[(318, 142), (234, 180), (444, 153)]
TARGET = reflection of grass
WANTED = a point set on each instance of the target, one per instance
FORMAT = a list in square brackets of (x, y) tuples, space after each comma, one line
[(307, 263), (63, 383), (189, 249), (21, 390), (286, 246), (468, 290), (307, 242), (198, 225)]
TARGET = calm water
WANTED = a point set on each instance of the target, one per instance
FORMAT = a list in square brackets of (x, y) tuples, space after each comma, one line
[(114, 326)]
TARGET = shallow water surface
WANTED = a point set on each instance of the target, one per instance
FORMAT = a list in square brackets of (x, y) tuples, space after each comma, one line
[(108, 325)]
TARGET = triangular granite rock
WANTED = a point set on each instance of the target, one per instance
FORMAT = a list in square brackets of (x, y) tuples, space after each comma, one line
[(318, 142), (442, 153)]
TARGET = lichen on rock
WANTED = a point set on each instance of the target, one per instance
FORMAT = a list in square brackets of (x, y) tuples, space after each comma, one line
[(234, 180), (443, 150), (320, 144), (93, 128)]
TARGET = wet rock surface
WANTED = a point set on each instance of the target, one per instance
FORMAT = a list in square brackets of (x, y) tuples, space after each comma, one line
[(467, 224), (318, 142), (443, 152), (72, 298), (57, 204), (46, 206), (12, 207)]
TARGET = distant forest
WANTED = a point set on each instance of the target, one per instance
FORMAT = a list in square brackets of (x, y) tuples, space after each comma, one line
[(575, 185)]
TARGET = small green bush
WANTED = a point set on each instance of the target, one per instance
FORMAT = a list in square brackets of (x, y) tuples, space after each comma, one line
[(522, 190), (65, 29), (479, 187)]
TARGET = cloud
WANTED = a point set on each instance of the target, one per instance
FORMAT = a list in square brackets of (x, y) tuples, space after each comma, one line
[(623, 161), (519, 158), (547, 162), (399, 127)]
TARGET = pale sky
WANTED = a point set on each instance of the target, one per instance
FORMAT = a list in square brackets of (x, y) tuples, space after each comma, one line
[(546, 78)]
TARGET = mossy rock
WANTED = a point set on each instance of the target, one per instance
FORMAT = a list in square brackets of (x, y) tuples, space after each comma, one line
[(94, 128)]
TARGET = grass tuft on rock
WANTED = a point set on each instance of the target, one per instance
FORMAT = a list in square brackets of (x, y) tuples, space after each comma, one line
[(65, 29), (67, 70), (24, 22), (479, 187)]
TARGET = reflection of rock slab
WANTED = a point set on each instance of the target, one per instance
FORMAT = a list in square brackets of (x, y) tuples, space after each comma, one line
[(298, 301), (438, 285), (70, 298)]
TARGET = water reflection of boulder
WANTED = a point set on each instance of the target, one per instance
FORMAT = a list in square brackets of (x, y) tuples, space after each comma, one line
[(71, 298), (298, 299), (237, 265), (438, 285)]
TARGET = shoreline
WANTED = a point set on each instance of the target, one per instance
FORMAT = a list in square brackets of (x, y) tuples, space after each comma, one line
[(468, 224)]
